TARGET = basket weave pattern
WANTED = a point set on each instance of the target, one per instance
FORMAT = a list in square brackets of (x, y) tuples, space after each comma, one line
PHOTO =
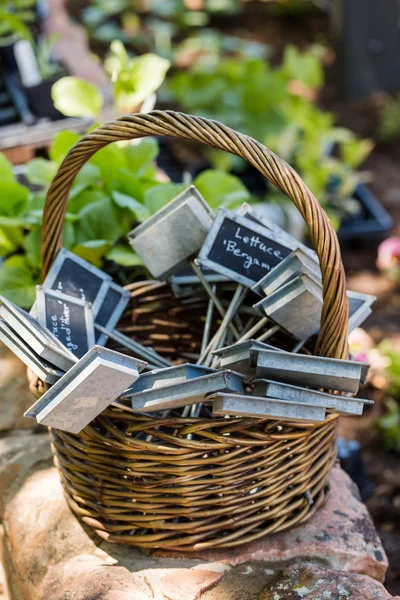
[(183, 483)]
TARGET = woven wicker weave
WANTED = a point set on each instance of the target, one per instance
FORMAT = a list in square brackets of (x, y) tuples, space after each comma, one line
[(232, 480)]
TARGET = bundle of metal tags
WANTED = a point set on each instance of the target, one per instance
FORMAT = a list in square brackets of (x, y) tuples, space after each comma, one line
[(260, 284)]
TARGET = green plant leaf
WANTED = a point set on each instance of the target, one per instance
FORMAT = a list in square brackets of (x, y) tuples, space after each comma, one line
[(128, 184), (15, 24), (62, 143), (117, 60), (88, 176), (77, 203), (40, 171), (140, 157), (32, 244), (18, 282), (6, 169), (99, 221), (355, 151), (13, 198), (92, 250), (142, 78), (110, 160), (139, 211), (75, 97), (303, 66), (11, 239), (124, 256), (156, 197), (68, 239), (221, 189)]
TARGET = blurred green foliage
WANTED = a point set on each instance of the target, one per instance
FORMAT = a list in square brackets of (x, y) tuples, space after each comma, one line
[(115, 189), (15, 18), (389, 423), (389, 120), (277, 107)]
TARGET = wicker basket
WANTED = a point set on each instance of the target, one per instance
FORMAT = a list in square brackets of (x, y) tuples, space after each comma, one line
[(232, 480)]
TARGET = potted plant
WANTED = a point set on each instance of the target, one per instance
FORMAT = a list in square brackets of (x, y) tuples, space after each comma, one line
[(27, 57)]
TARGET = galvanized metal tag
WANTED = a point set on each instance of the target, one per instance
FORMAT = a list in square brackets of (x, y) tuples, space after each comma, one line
[(75, 277), (111, 310), (307, 370), (174, 234), (39, 338), (237, 356), (86, 390), (264, 408), (69, 319), (297, 263), (251, 213), (240, 249), (186, 393), (341, 404), (170, 375), (296, 306), (359, 308), (42, 368)]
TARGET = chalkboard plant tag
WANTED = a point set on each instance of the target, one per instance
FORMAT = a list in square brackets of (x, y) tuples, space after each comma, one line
[(296, 306), (111, 310), (265, 408), (297, 263), (75, 277), (343, 405), (248, 211), (359, 308), (86, 390), (173, 235), (69, 319), (186, 393), (41, 367), (307, 370), (159, 378), (237, 356), (37, 337), (240, 249)]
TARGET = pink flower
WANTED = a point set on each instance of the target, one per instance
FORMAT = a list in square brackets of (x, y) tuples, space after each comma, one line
[(389, 254)]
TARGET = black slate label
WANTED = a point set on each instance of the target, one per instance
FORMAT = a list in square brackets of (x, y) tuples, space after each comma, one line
[(74, 280), (246, 252), (67, 322)]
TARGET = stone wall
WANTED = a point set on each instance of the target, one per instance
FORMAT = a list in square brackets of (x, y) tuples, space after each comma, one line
[(49, 555)]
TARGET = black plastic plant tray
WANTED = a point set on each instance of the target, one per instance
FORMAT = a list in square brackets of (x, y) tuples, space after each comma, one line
[(372, 220)]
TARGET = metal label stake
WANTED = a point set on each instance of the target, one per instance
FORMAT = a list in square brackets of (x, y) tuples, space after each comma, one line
[(296, 306), (37, 337), (297, 263), (341, 404), (186, 393), (86, 390), (69, 319), (75, 277), (265, 408), (174, 234), (307, 370)]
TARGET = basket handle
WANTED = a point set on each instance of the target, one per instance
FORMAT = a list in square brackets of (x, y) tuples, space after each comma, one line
[(332, 340)]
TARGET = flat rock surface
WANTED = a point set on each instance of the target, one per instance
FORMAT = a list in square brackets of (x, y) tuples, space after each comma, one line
[(49, 555), (15, 396), (316, 583)]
